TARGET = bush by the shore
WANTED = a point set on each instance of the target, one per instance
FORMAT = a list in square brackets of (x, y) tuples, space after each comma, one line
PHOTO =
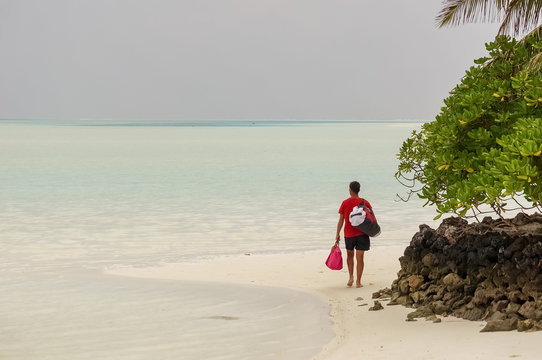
[(489, 271)]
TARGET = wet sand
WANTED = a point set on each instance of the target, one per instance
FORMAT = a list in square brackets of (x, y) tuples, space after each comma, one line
[(359, 333)]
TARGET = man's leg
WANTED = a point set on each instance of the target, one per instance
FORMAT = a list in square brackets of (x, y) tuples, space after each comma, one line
[(359, 259), (350, 263)]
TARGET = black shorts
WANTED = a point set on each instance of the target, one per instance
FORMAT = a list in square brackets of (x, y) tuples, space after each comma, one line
[(361, 242)]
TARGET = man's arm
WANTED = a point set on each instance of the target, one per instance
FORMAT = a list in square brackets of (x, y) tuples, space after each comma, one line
[(339, 227)]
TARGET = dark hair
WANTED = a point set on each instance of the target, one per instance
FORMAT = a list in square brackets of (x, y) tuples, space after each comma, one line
[(354, 186)]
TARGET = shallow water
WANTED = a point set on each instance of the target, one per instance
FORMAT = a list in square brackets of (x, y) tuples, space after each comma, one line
[(92, 316), (95, 195), (76, 197)]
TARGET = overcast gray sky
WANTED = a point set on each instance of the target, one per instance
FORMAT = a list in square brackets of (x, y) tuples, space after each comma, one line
[(230, 59)]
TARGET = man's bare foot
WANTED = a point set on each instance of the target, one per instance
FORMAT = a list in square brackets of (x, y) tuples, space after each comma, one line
[(358, 285), (350, 282)]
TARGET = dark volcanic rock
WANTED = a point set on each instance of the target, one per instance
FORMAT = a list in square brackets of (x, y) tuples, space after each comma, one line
[(377, 306), (482, 271), (529, 325), (384, 293), (501, 325)]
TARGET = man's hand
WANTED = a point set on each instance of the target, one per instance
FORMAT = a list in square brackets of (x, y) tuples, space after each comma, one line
[(338, 237)]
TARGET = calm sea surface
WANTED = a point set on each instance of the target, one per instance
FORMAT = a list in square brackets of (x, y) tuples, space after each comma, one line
[(76, 197)]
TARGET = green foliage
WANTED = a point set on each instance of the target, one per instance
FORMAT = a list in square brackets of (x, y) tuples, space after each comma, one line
[(485, 146)]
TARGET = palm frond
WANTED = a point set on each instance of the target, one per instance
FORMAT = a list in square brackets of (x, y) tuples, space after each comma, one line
[(537, 33), (455, 12), (521, 16), (517, 16), (535, 63)]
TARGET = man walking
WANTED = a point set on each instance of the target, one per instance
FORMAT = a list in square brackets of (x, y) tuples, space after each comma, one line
[(353, 238)]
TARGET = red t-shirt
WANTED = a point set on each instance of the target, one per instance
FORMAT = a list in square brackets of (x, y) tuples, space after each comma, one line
[(346, 208)]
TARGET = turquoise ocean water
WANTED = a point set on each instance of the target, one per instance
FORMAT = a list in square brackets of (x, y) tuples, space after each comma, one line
[(80, 196)]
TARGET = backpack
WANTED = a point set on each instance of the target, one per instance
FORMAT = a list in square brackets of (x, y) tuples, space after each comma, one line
[(363, 219)]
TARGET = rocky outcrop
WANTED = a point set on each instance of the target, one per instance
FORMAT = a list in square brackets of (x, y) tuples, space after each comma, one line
[(377, 306), (489, 271)]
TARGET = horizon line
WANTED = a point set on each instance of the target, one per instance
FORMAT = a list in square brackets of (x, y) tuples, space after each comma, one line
[(211, 119)]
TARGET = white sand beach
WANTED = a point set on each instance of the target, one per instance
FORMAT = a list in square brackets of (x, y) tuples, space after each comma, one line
[(360, 334)]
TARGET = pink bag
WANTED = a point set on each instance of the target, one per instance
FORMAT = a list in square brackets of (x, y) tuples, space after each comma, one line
[(335, 259)]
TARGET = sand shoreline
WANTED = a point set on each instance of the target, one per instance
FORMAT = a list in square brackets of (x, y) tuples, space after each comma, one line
[(359, 333)]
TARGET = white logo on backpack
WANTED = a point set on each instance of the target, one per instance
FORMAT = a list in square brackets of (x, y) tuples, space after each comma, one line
[(363, 222), (357, 216)]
